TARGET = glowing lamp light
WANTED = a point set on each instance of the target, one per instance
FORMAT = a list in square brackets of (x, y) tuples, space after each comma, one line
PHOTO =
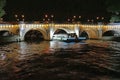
[(43, 19), (46, 15), (79, 16), (92, 20), (72, 19), (1, 19), (68, 19), (52, 16), (88, 20), (22, 16), (97, 17), (16, 15), (17, 19), (74, 16), (48, 19), (102, 18)]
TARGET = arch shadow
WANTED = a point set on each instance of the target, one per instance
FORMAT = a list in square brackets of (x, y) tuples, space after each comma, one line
[(60, 34), (110, 33), (5, 33), (34, 36), (84, 34)]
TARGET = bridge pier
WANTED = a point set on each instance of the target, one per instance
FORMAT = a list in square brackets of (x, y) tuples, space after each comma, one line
[(77, 30), (51, 32), (100, 33)]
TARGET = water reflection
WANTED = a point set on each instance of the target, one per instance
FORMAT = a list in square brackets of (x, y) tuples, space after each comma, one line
[(28, 49), (64, 45), (54, 60), (2, 56)]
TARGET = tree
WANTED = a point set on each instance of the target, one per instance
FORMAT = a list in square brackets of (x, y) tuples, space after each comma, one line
[(2, 4), (113, 6)]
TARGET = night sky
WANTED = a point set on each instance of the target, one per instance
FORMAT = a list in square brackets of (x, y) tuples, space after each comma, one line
[(61, 9)]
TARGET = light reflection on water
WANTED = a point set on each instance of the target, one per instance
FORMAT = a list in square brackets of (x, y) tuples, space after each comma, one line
[(64, 45), (24, 59), (2, 56)]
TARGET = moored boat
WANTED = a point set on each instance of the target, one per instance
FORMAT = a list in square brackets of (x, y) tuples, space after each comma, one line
[(70, 39), (75, 39)]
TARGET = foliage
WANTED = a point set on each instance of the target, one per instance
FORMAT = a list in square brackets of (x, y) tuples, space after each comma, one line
[(115, 18), (2, 4), (113, 6)]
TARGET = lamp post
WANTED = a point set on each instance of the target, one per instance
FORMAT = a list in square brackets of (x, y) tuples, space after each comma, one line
[(52, 18), (23, 17), (76, 19), (68, 20), (47, 18), (79, 17), (1, 19), (16, 17), (19, 18)]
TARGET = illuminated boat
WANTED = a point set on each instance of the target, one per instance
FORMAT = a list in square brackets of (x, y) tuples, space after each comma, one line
[(75, 39), (65, 39)]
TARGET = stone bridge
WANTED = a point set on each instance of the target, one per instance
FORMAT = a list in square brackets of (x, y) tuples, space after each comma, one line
[(23, 31)]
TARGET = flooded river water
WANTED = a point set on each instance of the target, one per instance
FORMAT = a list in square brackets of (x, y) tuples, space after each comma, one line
[(54, 60)]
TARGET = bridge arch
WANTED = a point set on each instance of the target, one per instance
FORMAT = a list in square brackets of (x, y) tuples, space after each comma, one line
[(60, 33), (89, 33), (62, 29), (35, 35), (4, 33), (84, 34), (111, 33)]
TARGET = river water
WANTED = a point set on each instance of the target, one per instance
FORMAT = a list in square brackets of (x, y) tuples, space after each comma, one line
[(54, 60)]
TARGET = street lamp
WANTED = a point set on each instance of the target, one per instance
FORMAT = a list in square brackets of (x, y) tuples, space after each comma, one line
[(22, 16), (68, 20), (92, 20), (16, 15), (52, 16), (1, 19), (48, 19), (46, 16), (88, 20), (79, 17), (19, 17), (43, 19), (97, 18), (102, 18), (74, 17)]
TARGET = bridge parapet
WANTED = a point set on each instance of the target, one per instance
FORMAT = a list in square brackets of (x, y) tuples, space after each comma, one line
[(9, 27), (48, 30)]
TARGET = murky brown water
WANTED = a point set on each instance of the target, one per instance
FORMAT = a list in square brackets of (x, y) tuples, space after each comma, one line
[(90, 60)]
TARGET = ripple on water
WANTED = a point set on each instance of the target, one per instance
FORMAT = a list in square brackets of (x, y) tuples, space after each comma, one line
[(92, 60)]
